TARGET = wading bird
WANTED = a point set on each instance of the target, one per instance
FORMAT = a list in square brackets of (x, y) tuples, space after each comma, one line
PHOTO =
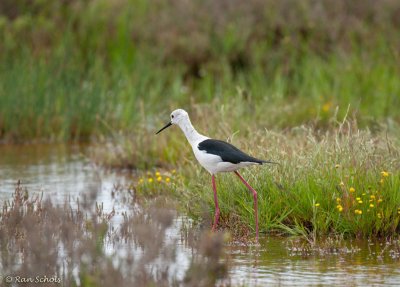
[(215, 156)]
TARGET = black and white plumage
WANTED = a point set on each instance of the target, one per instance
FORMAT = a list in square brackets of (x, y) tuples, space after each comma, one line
[(227, 152), (215, 156)]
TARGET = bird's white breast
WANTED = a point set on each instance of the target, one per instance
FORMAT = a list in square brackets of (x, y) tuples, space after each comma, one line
[(206, 160)]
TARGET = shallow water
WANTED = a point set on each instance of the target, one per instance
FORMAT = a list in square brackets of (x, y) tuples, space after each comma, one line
[(59, 171), (273, 263), (62, 171)]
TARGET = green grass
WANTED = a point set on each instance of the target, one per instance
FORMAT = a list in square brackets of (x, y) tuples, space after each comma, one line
[(303, 195), (310, 193), (81, 70), (57, 100)]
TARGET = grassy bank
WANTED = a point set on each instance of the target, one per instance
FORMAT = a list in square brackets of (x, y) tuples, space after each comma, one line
[(332, 183), (337, 181), (74, 71)]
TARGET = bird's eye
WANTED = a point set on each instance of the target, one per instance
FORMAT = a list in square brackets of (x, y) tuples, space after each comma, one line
[(172, 116)]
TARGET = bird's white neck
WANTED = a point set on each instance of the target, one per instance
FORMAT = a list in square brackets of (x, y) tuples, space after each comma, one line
[(190, 132)]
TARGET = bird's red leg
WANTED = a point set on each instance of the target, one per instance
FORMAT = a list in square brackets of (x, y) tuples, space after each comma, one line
[(255, 200), (216, 216)]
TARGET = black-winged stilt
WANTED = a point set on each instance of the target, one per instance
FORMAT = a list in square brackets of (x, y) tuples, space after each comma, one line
[(215, 156)]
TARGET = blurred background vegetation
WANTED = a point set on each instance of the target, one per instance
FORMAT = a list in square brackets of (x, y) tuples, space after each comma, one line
[(73, 70)]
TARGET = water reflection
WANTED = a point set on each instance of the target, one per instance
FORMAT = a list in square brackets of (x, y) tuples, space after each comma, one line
[(273, 264), (59, 171)]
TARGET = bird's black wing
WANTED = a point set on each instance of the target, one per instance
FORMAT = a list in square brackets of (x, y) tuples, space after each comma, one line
[(227, 152)]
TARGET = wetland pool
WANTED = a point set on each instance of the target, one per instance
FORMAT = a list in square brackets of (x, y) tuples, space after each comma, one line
[(63, 171)]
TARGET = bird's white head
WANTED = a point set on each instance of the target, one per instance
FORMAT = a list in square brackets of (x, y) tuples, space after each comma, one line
[(178, 117)]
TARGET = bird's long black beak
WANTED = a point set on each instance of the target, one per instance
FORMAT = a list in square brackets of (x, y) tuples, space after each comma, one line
[(166, 126)]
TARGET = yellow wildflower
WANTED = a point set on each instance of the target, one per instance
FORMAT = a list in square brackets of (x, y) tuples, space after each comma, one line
[(357, 211), (174, 171), (317, 204), (340, 209), (141, 181), (371, 205), (372, 196), (338, 200), (352, 189), (379, 215), (384, 173), (159, 178), (326, 107), (150, 180), (157, 174), (360, 201), (380, 200), (358, 198)]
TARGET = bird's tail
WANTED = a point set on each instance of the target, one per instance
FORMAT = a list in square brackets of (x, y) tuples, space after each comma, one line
[(268, 161)]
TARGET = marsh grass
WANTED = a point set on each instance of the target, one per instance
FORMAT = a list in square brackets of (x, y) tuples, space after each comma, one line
[(337, 180), (55, 100), (311, 193), (77, 71), (72, 243)]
